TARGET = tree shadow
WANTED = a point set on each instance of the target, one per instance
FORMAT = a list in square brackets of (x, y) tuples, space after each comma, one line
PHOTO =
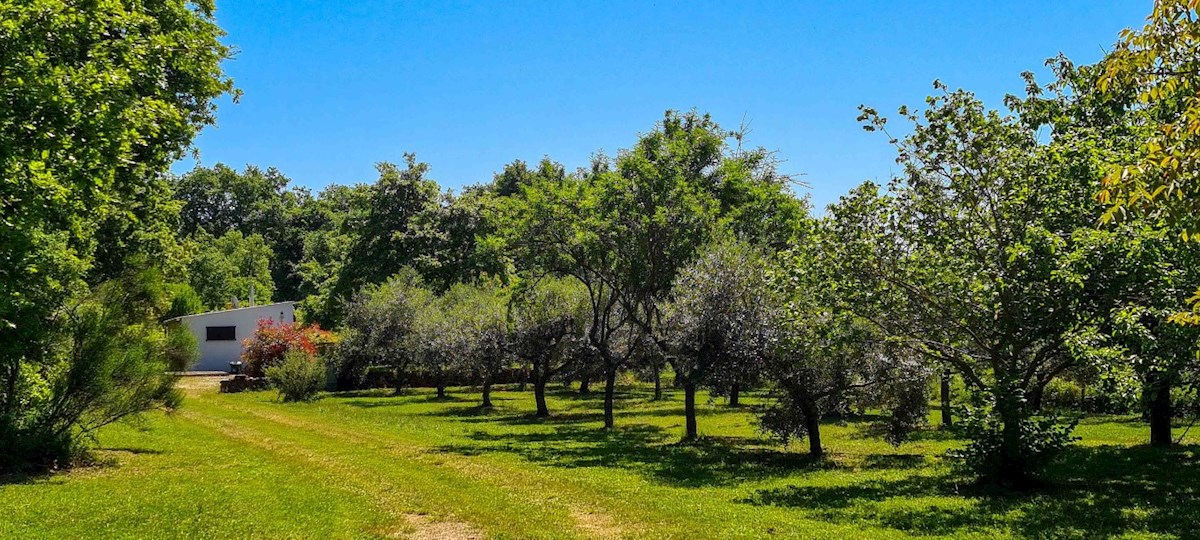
[(131, 450), (27, 477), (1092, 492), (893, 461), (97, 458), (878, 431), (401, 400), (647, 449)]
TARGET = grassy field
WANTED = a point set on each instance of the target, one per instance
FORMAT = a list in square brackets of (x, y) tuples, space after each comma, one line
[(372, 465)]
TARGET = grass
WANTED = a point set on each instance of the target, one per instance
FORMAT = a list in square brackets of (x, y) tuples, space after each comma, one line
[(372, 465)]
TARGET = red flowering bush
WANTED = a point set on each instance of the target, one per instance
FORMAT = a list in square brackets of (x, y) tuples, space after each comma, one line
[(272, 341)]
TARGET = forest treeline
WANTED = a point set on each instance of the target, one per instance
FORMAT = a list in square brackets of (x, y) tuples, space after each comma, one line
[(1027, 264)]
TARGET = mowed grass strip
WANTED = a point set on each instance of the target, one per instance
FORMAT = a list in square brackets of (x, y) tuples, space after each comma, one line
[(376, 465)]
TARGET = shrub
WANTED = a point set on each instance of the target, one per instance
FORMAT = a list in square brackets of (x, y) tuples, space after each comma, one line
[(109, 362), (298, 377), (181, 349), (272, 341), (1041, 440), (1063, 394)]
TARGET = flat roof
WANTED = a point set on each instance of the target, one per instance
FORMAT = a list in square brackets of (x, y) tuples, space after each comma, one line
[(289, 302)]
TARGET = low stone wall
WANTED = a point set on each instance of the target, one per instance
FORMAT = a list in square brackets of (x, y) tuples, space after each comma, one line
[(242, 383)]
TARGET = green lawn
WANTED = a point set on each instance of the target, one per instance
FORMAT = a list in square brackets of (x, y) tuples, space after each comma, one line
[(374, 465)]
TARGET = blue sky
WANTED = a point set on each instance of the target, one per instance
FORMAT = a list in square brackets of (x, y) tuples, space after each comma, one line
[(331, 88)]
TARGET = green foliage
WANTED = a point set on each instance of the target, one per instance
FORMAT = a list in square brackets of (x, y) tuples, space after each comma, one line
[(227, 267), (379, 325), (221, 200), (99, 100), (546, 325), (983, 256), (184, 301), (481, 342), (718, 323), (387, 234), (111, 363), (299, 376), (1063, 395), (181, 350), (325, 247), (517, 176), (1040, 440), (1157, 65), (436, 344)]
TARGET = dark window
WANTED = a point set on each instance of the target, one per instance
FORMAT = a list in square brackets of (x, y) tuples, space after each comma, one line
[(221, 333)]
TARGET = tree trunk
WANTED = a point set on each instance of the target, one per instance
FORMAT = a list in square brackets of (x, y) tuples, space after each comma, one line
[(610, 387), (1035, 397), (441, 391), (735, 392), (689, 410), (539, 396), (947, 420), (397, 381), (1012, 470), (812, 424), (1161, 412), (585, 385), (487, 392), (657, 383)]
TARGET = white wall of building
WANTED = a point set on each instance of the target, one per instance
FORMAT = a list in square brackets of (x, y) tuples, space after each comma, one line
[(216, 355)]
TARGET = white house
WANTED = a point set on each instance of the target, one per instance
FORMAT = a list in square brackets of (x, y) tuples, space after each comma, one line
[(221, 334)]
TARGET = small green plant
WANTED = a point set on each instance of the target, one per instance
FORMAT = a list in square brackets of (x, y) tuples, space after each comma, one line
[(299, 376)]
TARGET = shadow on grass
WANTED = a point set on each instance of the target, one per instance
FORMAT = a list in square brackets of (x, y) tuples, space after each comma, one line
[(644, 448), (13, 479), (1093, 492), (98, 458), (878, 430)]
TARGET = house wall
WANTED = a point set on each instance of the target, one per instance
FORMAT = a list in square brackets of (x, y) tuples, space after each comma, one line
[(216, 355)]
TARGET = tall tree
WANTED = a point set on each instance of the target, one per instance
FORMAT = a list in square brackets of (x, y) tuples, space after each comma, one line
[(978, 243), (1159, 63), (456, 239), (325, 246), (231, 267), (387, 233), (559, 228), (1156, 71), (98, 100), (220, 199)]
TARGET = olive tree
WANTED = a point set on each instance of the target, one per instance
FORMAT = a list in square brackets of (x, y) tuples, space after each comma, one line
[(379, 321), (822, 356), (716, 323), (437, 344), (480, 337), (546, 321)]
